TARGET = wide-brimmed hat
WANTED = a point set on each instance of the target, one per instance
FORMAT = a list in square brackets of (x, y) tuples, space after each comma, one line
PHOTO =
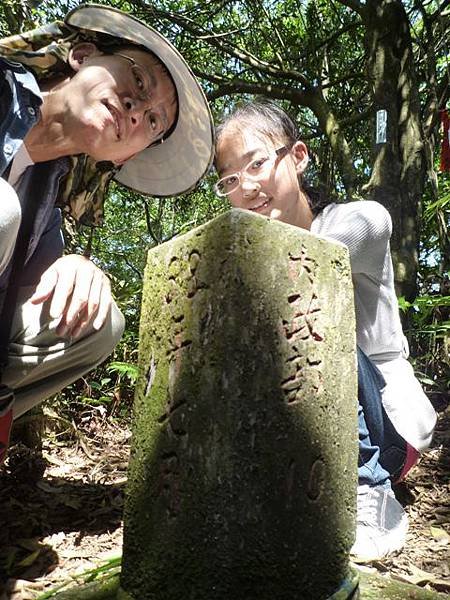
[(175, 166)]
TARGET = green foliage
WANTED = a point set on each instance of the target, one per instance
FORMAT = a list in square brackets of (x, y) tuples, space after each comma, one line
[(108, 571), (124, 370), (291, 51), (429, 314), (426, 316), (312, 57), (429, 335), (133, 224)]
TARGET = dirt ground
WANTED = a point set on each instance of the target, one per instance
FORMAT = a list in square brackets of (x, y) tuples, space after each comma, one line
[(61, 514)]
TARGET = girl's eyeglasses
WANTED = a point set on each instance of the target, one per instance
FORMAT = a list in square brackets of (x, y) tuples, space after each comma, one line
[(256, 168)]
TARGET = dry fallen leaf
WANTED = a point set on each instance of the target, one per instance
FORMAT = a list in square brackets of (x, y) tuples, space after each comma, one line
[(440, 535)]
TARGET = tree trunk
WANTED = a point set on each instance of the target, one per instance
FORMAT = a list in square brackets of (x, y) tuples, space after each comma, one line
[(399, 164), (329, 124)]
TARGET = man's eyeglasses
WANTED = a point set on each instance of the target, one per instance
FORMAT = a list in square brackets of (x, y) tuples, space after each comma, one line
[(256, 168), (141, 78), (143, 87)]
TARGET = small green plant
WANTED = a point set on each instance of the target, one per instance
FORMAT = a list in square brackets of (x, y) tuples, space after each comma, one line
[(124, 370), (429, 335), (104, 572)]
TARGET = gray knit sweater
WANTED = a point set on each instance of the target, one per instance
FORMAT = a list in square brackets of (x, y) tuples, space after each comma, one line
[(365, 227)]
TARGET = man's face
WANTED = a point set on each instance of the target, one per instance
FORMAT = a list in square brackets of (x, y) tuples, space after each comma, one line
[(117, 105)]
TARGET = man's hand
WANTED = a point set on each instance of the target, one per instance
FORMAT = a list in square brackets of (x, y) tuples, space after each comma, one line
[(81, 292)]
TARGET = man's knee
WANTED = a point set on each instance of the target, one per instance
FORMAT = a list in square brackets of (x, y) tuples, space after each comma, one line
[(35, 380), (117, 324), (10, 218), (108, 336)]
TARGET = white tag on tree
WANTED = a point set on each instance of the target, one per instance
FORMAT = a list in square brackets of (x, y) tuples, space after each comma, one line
[(381, 126)]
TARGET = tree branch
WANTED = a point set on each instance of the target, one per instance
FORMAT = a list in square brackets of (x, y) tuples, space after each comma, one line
[(130, 264), (239, 53), (148, 221), (234, 86), (355, 5), (357, 117), (343, 79)]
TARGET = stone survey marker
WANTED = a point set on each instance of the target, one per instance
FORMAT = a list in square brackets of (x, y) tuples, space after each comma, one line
[(244, 460)]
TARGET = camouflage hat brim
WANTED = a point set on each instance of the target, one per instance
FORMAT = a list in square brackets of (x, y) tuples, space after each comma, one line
[(175, 166)]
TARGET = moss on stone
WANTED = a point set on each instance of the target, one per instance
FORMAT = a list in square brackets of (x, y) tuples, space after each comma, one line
[(372, 587), (377, 587), (243, 470)]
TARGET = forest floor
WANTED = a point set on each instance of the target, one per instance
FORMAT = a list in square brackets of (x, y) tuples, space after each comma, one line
[(61, 521)]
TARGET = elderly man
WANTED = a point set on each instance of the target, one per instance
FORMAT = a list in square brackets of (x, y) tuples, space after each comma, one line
[(99, 96)]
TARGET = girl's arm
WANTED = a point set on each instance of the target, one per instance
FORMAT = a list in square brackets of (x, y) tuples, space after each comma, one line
[(365, 227)]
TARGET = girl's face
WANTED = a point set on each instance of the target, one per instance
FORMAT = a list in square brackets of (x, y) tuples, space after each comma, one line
[(274, 190)]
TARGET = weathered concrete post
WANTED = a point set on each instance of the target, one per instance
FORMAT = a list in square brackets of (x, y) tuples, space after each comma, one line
[(242, 479)]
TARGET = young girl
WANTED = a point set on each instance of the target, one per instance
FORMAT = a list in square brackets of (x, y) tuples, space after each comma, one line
[(261, 164)]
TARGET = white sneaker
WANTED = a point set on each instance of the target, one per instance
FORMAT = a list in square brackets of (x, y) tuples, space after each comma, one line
[(381, 524)]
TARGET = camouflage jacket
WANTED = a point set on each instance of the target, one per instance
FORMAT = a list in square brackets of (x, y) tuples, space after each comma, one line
[(44, 53), (19, 109)]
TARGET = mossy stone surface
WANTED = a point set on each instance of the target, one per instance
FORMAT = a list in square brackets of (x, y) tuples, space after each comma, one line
[(377, 587), (244, 456)]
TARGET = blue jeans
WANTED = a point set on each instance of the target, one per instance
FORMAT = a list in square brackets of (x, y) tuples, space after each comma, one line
[(382, 451)]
